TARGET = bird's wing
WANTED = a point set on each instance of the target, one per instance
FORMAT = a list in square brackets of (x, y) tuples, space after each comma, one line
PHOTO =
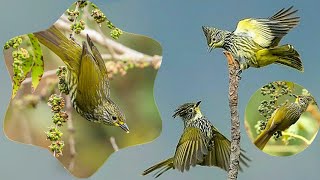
[(267, 32), (190, 150), (277, 118), (219, 154), (98, 59), (57, 42), (90, 81)]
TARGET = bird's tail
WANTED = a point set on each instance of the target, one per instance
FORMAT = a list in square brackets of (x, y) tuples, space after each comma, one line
[(287, 56), (162, 166), (67, 50), (263, 139)]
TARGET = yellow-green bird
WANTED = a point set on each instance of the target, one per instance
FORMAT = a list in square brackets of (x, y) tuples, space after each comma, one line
[(200, 144), (255, 42), (282, 118), (87, 78)]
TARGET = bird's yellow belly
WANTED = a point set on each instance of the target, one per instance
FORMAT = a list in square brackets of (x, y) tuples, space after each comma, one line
[(263, 57), (258, 58)]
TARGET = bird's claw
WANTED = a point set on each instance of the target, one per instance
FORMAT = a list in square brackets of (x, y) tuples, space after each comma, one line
[(239, 74)]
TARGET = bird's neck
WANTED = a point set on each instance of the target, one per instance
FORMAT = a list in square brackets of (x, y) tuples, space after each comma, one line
[(192, 121), (229, 42), (197, 116), (303, 107), (202, 123)]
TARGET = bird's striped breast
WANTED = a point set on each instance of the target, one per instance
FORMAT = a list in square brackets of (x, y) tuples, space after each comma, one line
[(294, 112), (241, 47), (203, 124)]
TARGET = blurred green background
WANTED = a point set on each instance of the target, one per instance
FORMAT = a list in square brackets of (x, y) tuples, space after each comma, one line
[(188, 73), (307, 126)]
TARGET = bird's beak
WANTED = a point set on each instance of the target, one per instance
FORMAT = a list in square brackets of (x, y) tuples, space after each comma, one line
[(198, 103), (124, 127)]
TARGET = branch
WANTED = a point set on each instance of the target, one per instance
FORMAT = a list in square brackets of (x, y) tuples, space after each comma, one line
[(71, 135), (45, 74), (114, 144), (121, 52), (234, 78)]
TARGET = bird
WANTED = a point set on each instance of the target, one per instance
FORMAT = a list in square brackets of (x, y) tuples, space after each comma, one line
[(282, 118), (255, 42), (200, 144), (87, 78)]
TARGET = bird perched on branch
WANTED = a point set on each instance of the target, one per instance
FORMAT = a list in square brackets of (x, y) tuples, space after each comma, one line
[(255, 42), (200, 144), (282, 118), (87, 78)]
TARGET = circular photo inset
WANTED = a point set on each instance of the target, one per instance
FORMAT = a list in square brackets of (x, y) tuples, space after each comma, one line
[(282, 118)]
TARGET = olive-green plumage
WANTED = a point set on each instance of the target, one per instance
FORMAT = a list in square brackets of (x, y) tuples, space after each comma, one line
[(255, 42), (282, 118), (87, 78), (200, 144)]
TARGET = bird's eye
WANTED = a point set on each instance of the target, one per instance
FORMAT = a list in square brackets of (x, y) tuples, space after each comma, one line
[(190, 110), (114, 118)]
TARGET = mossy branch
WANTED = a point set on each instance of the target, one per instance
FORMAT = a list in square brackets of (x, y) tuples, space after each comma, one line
[(234, 79)]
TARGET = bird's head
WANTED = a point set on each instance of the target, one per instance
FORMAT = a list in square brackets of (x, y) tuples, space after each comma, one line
[(188, 111), (215, 37), (110, 114), (305, 100)]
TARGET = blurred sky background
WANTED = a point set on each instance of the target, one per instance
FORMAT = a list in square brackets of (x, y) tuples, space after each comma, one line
[(188, 73)]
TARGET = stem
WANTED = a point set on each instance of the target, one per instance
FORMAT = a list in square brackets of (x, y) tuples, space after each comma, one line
[(71, 135), (234, 78), (75, 21), (98, 27)]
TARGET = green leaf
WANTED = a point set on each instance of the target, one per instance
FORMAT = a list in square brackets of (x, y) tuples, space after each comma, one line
[(19, 76), (38, 66)]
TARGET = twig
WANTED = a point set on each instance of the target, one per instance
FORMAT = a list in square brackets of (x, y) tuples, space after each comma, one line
[(114, 144), (234, 78), (71, 135), (75, 20), (306, 141)]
